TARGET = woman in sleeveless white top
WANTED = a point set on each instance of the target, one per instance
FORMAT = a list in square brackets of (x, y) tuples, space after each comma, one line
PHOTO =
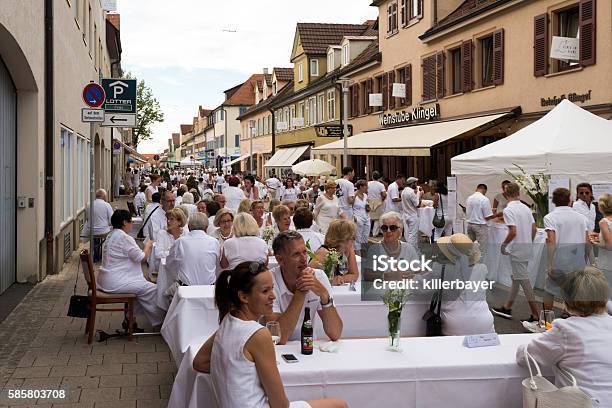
[(604, 259), (361, 215), (326, 209), (240, 356)]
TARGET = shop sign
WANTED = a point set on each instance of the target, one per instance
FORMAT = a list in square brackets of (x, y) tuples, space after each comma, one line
[(333, 131), (417, 114), (572, 97)]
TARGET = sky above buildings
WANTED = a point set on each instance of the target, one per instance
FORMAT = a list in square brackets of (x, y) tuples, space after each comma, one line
[(190, 51)]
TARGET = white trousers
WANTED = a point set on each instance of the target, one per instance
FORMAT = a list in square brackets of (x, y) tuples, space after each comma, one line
[(411, 230)]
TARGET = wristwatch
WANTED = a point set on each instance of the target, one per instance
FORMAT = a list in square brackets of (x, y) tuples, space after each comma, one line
[(330, 303)]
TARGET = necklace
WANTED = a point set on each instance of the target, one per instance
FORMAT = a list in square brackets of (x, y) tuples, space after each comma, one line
[(224, 237), (393, 252)]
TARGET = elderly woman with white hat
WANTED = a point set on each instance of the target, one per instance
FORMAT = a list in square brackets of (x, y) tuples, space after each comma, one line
[(463, 312)]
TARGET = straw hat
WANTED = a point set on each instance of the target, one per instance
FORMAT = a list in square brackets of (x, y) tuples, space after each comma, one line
[(459, 244)]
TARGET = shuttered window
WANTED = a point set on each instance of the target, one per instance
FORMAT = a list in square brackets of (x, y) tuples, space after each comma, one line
[(429, 78), (498, 57), (404, 12), (540, 45), (369, 84), (440, 74), (383, 89), (408, 82), (587, 32), (466, 66), (392, 18), (389, 90)]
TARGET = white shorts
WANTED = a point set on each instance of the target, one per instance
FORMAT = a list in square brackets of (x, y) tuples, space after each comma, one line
[(299, 404), (519, 269)]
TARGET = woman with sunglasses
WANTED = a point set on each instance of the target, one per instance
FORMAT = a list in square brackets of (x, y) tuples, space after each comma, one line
[(391, 246), (240, 355)]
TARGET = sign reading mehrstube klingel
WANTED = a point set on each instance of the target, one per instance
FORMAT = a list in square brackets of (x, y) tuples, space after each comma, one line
[(120, 103), (418, 113)]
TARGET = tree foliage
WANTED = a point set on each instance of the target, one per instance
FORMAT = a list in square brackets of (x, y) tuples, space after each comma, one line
[(148, 113)]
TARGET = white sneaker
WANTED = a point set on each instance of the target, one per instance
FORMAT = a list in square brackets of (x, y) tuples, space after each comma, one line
[(533, 327)]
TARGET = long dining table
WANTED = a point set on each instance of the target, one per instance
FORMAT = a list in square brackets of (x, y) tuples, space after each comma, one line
[(429, 372)]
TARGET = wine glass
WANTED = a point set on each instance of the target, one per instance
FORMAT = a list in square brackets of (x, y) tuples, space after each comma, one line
[(546, 318), (275, 332)]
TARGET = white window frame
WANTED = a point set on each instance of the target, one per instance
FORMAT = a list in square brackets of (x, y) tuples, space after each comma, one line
[(331, 105), (293, 112), (312, 110), (300, 72), (330, 61), (67, 192), (314, 67), (321, 108), (346, 54)]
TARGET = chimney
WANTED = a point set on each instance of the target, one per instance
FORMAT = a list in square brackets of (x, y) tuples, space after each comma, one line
[(265, 71), (115, 20)]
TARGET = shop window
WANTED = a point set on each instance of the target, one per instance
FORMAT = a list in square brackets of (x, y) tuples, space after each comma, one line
[(567, 23)]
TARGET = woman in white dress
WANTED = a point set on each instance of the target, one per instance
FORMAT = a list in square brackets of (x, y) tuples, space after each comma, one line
[(341, 238), (245, 245), (361, 211), (463, 312), (251, 191), (121, 270), (327, 207), (289, 192), (224, 220), (604, 240), (164, 239), (240, 355), (579, 344)]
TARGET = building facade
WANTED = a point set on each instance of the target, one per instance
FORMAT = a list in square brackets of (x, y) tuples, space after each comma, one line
[(487, 62), (48, 52)]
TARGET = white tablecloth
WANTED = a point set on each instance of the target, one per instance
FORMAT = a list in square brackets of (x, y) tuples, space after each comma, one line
[(430, 372), (192, 316), (498, 265), (426, 216)]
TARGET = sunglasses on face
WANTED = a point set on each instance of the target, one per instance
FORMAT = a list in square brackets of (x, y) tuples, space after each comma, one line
[(392, 228), (584, 193)]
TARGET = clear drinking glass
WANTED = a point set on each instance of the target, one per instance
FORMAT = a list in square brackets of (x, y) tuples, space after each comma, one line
[(275, 332), (546, 318)]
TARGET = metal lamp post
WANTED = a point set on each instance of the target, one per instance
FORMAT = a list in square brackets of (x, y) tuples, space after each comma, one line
[(252, 133), (345, 94)]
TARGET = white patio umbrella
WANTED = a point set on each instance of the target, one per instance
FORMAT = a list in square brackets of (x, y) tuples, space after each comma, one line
[(313, 167)]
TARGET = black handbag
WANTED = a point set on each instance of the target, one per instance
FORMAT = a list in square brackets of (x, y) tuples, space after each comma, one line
[(432, 317), (79, 304), (140, 234), (438, 220)]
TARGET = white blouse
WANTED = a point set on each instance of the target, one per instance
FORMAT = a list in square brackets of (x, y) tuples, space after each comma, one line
[(289, 194), (244, 249), (121, 258)]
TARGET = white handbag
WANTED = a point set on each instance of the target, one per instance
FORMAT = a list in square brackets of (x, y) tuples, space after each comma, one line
[(538, 392)]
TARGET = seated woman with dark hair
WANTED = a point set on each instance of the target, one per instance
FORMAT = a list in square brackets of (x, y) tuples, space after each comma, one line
[(581, 343), (121, 271), (240, 355)]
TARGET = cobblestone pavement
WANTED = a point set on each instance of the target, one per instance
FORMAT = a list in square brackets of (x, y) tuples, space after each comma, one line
[(42, 348)]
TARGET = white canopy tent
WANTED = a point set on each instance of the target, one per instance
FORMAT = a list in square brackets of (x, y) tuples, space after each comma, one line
[(567, 143), (189, 162)]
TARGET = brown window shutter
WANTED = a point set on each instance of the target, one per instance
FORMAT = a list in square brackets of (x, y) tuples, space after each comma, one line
[(389, 20), (408, 82), (356, 96), (498, 57), (399, 102), (419, 12), (466, 65), (441, 80), (368, 92), (587, 32), (383, 91), (390, 81), (429, 78), (364, 105), (540, 45), (350, 102)]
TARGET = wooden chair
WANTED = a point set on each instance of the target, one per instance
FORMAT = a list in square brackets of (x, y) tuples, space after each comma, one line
[(97, 297), (132, 208)]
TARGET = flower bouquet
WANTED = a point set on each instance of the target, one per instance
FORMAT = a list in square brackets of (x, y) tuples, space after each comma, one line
[(268, 234), (536, 187), (332, 262), (395, 299)]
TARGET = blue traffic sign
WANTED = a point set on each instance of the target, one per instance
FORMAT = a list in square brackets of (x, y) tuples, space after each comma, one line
[(93, 95)]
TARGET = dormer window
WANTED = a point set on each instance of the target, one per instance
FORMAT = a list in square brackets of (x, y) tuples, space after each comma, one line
[(314, 67), (300, 73), (346, 55), (274, 90), (330, 60)]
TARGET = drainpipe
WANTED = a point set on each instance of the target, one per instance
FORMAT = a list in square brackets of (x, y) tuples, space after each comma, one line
[(49, 131), (273, 140)]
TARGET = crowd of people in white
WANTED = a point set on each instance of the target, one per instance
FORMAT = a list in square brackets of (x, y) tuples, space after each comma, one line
[(216, 230)]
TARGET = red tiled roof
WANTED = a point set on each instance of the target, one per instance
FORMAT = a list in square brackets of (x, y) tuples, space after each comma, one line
[(316, 37), (203, 112), (284, 74), (186, 129), (244, 96), (286, 89), (176, 139)]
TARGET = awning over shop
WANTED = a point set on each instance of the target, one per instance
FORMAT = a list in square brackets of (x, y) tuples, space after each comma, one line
[(286, 157), (413, 140), (238, 160), (131, 151)]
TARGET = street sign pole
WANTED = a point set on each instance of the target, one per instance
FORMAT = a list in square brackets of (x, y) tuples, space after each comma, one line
[(345, 94), (92, 193)]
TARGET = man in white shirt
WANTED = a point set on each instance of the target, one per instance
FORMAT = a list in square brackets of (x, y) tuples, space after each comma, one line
[(157, 220), (346, 191), (394, 201), (519, 245), (567, 242), (584, 204), (219, 182), (296, 286), (478, 211), (101, 223), (411, 200), (194, 256), (274, 185), (376, 200), (233, 194)]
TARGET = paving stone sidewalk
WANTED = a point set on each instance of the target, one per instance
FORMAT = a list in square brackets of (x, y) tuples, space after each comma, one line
[(42, 348)]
